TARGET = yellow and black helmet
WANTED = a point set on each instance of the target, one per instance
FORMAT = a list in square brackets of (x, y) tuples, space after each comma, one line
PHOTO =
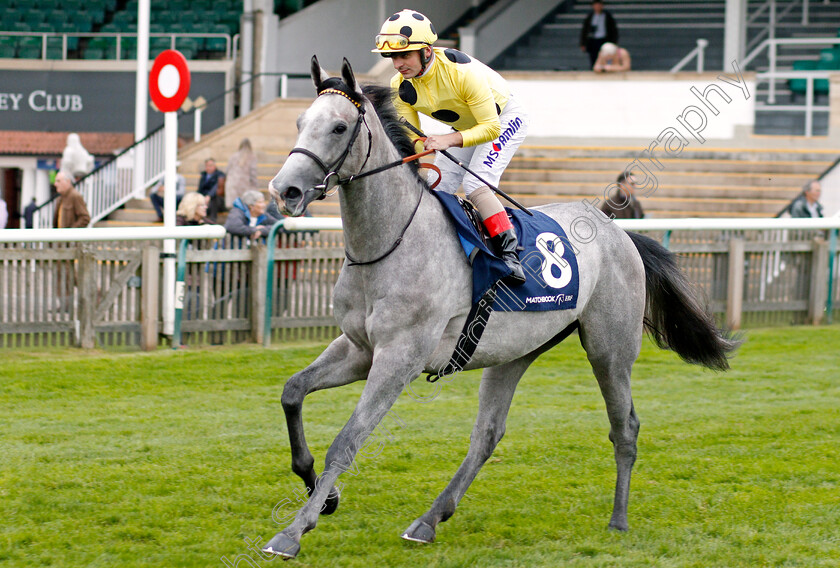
[(405, 31)]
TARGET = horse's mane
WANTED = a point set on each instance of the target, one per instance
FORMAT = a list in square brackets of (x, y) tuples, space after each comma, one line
[(380, 98)]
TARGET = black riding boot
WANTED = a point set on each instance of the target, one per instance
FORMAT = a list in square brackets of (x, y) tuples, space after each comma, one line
[(505, 244)]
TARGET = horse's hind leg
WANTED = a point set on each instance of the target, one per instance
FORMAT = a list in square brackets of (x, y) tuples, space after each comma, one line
[(341, 363), (612, 346), (494, 395)]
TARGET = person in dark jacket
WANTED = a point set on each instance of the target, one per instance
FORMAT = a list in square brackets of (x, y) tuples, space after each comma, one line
[(807, 203), (622, 204), (599, 27), (212, 184), (248, 216)]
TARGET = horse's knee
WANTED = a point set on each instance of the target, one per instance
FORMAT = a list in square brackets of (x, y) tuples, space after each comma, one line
[(293, 393)]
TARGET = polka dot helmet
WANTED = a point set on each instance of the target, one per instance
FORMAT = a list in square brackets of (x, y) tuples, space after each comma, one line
[(405, 31)]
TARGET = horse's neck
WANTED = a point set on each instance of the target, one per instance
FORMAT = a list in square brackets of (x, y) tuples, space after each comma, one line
[(376, 209)]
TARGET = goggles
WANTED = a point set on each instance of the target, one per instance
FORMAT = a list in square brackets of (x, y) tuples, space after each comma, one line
[(394, 41)]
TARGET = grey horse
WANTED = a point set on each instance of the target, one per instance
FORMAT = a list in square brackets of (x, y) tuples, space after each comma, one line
[(402, 299)]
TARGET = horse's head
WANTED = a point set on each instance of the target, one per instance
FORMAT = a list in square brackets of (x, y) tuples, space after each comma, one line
[(324, 154)]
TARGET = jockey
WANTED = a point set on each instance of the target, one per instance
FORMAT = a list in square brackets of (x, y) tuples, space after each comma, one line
[(457, 89)]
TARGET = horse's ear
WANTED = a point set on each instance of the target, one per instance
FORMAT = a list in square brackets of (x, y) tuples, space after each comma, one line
[(318, 74), (349, 77)]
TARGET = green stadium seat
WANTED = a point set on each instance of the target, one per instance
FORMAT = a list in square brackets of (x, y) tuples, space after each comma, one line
[(29, 47), (8, 47), (33, 17), (20, 27), (799, 86), (93, 53)]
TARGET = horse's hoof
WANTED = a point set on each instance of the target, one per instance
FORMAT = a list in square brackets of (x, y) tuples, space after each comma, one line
[(618, 526), (419, 531), (331, 504), (283, 546)]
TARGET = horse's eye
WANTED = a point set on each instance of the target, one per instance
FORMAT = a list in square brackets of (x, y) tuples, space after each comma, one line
[(340, 129)]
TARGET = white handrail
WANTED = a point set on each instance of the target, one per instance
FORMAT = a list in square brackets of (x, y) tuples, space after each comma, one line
[(682, 224), (698, 51), (118, 36), (809, 108), (112, 185), (111, 234)]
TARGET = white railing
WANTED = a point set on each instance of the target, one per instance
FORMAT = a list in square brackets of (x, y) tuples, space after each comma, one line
[(112, 184), (687, 224), (118, 38), (698, 52), (772, 45), (809, 108)]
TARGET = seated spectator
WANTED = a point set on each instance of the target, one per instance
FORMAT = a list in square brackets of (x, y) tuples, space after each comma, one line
[(612, 58), (193, 210), (212, 184), (622, 204), (807, 204), (156, 197), (248, 217)]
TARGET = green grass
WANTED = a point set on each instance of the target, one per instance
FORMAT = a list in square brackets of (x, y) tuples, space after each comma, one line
[(173, 458)]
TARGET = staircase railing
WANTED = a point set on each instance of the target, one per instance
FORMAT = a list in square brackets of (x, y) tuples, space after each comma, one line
[(698, 52), (111, 185)]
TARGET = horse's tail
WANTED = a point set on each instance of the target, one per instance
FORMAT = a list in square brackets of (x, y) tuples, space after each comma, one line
[(675, 316)]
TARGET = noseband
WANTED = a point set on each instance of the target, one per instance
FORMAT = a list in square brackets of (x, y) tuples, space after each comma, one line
[(333, 179), (331, 176)]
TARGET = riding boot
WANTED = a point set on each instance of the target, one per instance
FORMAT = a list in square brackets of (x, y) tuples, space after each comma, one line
[(505, 244)]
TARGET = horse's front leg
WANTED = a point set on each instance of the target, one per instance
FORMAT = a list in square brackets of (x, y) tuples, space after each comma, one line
[(341, 363), (494, 397), (392, 369)]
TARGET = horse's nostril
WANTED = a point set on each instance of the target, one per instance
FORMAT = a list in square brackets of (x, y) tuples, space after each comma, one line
[(291, 193)]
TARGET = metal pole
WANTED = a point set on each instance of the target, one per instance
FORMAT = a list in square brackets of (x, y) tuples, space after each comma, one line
[(170, 121), (141, 96), (247, 45), (809, 106), (771, 95), (832, 254), (701, 54), (197, 124), (804, 12), (269, 281), (180, 292)]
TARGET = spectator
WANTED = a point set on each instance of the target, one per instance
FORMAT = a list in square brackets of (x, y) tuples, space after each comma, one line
[(622, 204), (192, 210), (70, 209), (248, 216), (156, 196), (807, 204), (599, 27), (241, 173), (76, 162), (29, 214), (612, 58), (4, 214), (212, 185)]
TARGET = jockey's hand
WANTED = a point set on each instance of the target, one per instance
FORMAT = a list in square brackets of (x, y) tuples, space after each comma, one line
[(444, 141)]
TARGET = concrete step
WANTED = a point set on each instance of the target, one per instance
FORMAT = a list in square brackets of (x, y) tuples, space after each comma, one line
[(673, 165)]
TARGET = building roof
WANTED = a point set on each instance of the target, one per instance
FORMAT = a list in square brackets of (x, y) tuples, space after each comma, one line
[(21, 143)]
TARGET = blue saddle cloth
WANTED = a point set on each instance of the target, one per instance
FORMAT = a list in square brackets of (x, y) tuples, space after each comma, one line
[(550, 266)]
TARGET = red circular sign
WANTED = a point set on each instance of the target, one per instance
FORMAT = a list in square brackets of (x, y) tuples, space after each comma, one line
[(169, 81)]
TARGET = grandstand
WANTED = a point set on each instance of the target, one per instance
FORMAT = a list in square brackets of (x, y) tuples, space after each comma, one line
[(746, 175)]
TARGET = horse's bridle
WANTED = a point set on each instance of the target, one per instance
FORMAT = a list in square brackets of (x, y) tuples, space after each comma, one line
[(333, 179)]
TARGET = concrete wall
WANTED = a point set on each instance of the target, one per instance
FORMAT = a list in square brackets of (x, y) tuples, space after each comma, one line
[(639, 105), (333, 29), (502, 25)]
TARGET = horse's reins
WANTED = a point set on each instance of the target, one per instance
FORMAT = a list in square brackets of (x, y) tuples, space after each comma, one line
[(333, 179)]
